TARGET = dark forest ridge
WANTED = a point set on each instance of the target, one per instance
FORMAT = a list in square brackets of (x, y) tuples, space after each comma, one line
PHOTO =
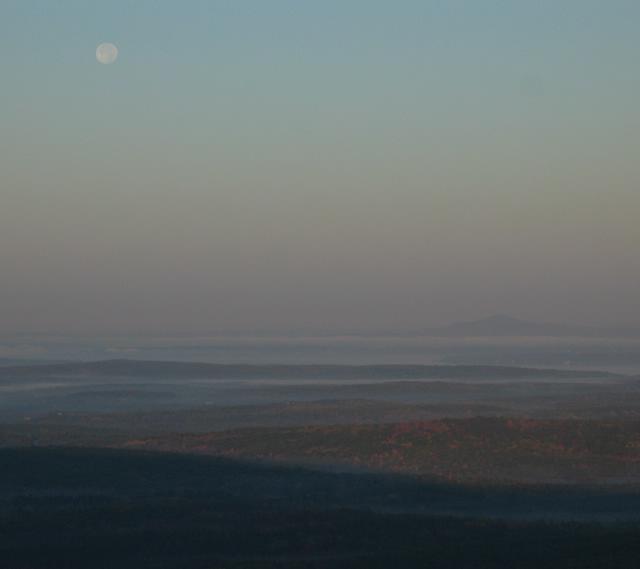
[(193, 370), (78, 508)]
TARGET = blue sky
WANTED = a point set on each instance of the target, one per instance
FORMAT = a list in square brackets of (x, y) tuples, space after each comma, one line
[(320, 165)]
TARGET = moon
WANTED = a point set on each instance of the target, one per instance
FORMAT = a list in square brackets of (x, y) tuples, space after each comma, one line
[(106, 53)]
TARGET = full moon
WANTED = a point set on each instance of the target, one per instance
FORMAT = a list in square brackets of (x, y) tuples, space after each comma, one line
[(106, 53)]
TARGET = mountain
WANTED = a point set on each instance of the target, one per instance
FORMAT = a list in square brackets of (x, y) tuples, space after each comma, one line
[(499, 325)]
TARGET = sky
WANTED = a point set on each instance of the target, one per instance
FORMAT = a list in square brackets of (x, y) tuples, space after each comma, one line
[(343, 165)]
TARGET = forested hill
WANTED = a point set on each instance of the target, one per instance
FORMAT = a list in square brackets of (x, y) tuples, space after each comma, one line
[(187, 370)]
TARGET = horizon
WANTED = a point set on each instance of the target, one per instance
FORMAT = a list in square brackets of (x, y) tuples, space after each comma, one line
[(484, 342), (426, 331)]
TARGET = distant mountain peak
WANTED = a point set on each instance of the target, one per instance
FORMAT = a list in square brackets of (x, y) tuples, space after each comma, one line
[(494, 320), (505, 325)]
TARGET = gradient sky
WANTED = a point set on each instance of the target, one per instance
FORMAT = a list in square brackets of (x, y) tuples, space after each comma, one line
[(319, 166)]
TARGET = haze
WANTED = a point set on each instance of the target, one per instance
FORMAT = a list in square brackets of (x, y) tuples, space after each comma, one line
[(322, 166)]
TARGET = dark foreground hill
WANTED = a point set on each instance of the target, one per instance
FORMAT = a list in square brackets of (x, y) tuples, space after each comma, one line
[(104, 509)]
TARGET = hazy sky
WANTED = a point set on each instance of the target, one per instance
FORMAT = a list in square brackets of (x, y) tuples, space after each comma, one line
[(327, 165)]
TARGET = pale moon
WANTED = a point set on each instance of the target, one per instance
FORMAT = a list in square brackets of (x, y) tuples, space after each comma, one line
[(106, 53)]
